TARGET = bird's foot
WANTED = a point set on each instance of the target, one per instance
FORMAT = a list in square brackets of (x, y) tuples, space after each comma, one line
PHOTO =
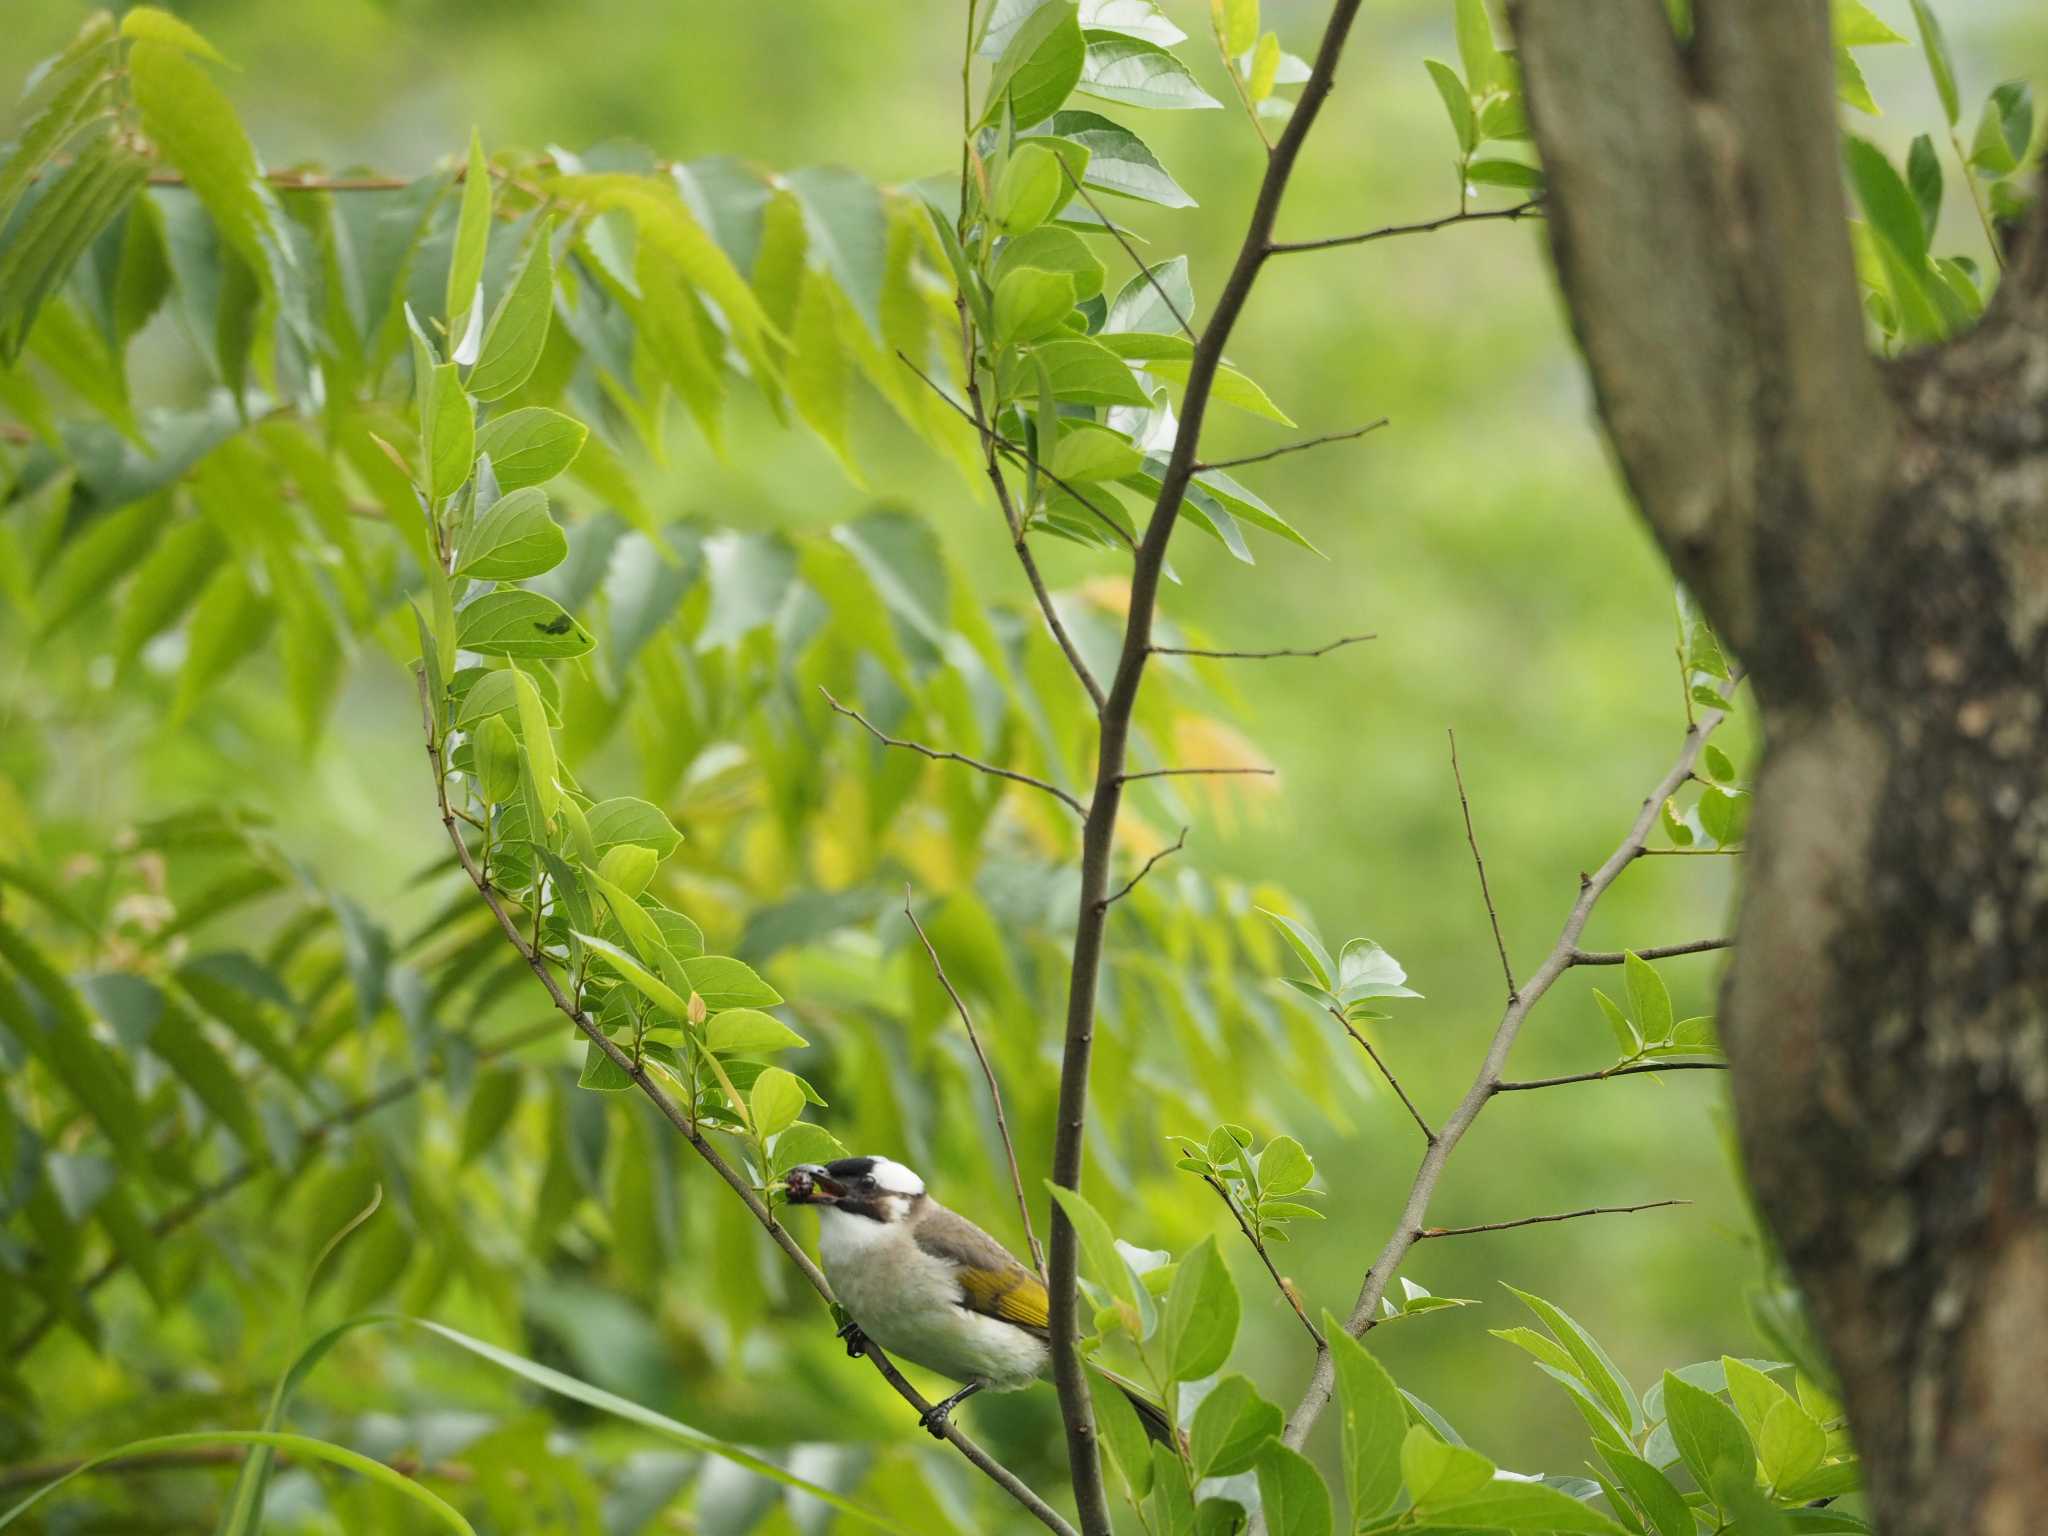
[(935, 1418), (856, 1341)]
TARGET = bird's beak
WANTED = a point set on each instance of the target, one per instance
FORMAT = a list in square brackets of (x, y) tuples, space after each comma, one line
[(810, 1184)]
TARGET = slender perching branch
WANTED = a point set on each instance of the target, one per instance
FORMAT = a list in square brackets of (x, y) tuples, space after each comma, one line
[(1098, 836), (1302, 446), (201, 1200), (1321, 650), (1192, 773), (1488, 1081), (1631, 1070), (988, 1072), (1426, 227), (1507, 967), (1539, 1221), (1655, 952), (1132, 884), (687, 1124), (938, 756), (1251, 1236), (1393, 1082)]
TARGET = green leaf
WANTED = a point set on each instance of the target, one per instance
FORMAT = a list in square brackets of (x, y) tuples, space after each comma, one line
[(1094, 453), (1039, 68), (1032, 185), (519, 325), (805, 1143), (472, 237), (493, 1100), (538, 743), (194, 128), (1098, 1244), (65, 95), (1608, 1382), (1484, 67), (1231, 1427), (1790, 1445), (747, 1031), (1265, 69), (1030, 304), (1237, 23), (1886, 200), (624, 819), (160, 26), (82, 201), (629, 867), (727, 983), (1923, 176), (1709, 1437), (1292, 1494), (1130, 1449), (1118, 160), (1504, 173), (1139, 74), (1307, 946), (530, 446), (1510, 1504), (1201, 1314), (514, 540), (496, 752), (304, 1447), (775, 1102), (643, 981), (1284, 1167), (1855, 25), (447, 431), (1375, 1422), (1753, 1393), (1665, 1505), (1457, 103), (1085, 372), (600, 1073), (1940, 64), (1438, 1473), (2004, 129), (1649, 1003), (518, 623)]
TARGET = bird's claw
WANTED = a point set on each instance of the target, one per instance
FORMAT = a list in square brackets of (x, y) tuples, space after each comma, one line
[(856, 1341), (934, 1419)]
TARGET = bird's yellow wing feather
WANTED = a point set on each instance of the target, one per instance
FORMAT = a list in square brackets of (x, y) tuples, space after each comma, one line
[(1013, 1295)]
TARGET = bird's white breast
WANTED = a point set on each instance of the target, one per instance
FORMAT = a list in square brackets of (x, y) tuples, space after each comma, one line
[(908, 1301)]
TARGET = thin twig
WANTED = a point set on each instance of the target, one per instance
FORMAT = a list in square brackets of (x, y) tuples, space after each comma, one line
[(1136, 260), (1429, 1172), (1537, 1221), (1388, 232), (1600, 1077), (1507, 968), (1393, 1082), (1692, 853), (1302, 446), (1657, 952), (1179, 773), (1321, 650), (995, 1093), (954, 757), (1017, 452), (1132, 883), (637, 1072), (1251, 1236)]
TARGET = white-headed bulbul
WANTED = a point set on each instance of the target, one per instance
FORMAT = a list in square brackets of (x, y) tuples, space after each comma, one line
[(928, 1284)]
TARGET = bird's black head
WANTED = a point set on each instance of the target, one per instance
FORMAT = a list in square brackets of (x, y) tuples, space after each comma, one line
[(874, 1187)]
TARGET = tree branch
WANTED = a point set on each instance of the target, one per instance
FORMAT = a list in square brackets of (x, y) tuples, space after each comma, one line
[(1251, 1236), (1302, 446), (995, 1093), (1488, 1080), (701, 1145), (1321, 650), (1393, 1082), (1656, 952), (1099, 829), (1390, 231), (954, 757), (1183, 773), (1132, 883), (1538, 1221), (1492, 917), (1602, 1076)]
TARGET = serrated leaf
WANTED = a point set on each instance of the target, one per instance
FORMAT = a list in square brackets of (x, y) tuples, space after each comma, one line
[(1139, 74), (521, 624)]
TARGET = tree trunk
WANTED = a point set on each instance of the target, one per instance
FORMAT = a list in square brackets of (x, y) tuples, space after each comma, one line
[(1872, 539)]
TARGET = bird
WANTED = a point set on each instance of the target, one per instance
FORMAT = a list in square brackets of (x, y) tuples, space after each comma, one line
[(926, 1283)]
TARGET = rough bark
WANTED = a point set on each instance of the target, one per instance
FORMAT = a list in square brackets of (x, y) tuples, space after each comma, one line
[(1873, 540)]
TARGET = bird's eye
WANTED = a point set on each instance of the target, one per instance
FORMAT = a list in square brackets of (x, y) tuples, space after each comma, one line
[(869, 1182)]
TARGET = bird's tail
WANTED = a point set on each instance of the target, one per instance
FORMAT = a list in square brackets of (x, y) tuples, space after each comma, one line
[(1151, 1416)]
